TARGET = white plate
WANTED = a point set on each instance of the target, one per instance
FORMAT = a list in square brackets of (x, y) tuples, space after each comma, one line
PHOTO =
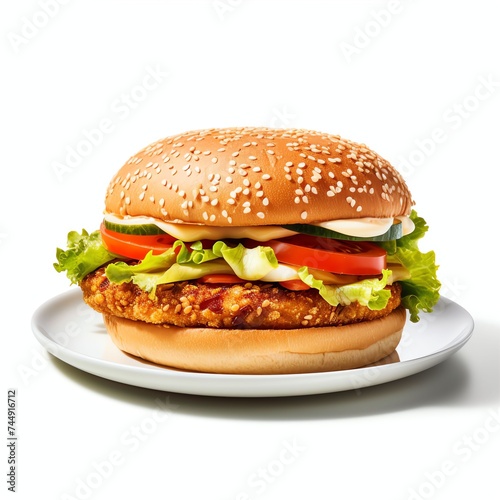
[(74, 333)]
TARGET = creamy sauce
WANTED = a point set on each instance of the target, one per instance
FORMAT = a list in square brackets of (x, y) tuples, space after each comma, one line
[(363, 227)]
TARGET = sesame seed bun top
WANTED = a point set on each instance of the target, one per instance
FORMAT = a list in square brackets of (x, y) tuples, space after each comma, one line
[(257, 176)]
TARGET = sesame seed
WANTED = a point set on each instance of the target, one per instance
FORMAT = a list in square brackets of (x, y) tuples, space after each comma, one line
[(261, 215), (303, 215)]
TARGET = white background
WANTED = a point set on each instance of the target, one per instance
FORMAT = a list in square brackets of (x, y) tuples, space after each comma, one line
[(418, 81)]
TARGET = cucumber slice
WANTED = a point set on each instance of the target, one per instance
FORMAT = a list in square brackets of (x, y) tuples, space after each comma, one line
[(139, 229), (395, 232)]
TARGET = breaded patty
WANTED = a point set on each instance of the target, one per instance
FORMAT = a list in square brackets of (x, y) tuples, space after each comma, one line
[(250, 305)]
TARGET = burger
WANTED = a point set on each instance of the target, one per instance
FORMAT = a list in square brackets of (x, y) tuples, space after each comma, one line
[(255, 251)]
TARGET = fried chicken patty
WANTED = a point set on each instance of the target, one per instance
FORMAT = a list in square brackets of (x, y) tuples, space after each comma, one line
[(249, 305)]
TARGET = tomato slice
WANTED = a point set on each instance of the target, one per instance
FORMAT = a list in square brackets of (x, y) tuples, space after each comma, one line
[(294, 285), (135, 246), (221, 278), (336, 256)]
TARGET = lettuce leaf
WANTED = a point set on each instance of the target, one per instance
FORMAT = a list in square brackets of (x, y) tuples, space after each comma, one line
[(247, 263), (197, 254), (421, 291), (85, 253), (145, 274), (369, 292)]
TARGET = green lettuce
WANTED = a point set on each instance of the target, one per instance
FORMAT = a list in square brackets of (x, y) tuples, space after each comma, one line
[(421, 291), (369, 292), (247, 263), (85, 253), (193, 263)]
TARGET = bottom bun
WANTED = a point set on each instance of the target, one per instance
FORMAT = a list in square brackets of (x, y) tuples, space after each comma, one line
[(302, 350)]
